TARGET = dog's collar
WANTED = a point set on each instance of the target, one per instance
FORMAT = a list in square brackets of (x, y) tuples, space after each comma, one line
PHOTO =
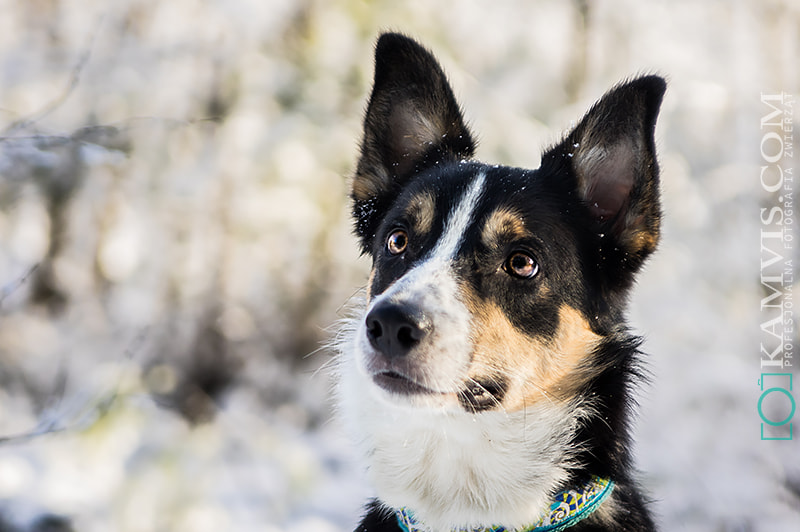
[(568, 508)]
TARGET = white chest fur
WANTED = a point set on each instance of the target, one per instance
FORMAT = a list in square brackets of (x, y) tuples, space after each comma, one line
[(453, 468)]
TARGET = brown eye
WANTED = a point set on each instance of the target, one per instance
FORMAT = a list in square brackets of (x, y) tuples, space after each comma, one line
[(397, 242), (521, 265)]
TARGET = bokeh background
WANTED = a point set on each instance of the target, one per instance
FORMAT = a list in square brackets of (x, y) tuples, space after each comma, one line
[(175, 247)]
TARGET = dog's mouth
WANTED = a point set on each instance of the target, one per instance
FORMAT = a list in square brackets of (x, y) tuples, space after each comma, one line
[(478, 396), (395, 382)]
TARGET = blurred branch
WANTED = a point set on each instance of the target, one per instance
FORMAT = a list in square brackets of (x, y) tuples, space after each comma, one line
[(576, 73), (112, 136), (75, 415), (8, 289), (79, 413), (72, 84)]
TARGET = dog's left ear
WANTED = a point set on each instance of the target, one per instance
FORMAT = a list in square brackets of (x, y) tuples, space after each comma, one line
[(612, 155), (412, 123)]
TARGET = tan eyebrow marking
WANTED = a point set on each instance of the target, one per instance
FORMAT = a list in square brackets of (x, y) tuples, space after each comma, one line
[(503, 224), (421, 211)]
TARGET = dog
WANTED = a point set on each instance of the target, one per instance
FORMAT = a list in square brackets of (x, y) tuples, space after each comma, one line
[(488, 377)]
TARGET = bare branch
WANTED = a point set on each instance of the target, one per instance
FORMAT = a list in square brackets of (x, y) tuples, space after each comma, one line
[(10, 288), (79, 412), (74, 80)]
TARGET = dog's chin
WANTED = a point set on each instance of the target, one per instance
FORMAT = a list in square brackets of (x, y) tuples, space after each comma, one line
[(401, 390)]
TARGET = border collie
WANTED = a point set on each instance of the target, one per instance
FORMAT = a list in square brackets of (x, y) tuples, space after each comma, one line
[(488, 375)]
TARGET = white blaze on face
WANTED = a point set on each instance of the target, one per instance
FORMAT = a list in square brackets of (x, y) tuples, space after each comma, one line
[(432, 287), (459, 221)]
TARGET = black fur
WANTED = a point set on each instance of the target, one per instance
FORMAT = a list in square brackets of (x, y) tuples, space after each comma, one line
[(378, 519), (595, 206)]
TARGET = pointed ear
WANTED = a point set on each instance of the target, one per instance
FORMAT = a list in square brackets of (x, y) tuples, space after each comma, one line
[(413, 122), (612, 155)]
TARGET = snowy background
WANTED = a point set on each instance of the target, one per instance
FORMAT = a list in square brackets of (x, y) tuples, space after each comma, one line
[(175, 245)]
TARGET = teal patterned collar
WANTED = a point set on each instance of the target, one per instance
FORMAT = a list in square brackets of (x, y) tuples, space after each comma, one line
[(568, 508)]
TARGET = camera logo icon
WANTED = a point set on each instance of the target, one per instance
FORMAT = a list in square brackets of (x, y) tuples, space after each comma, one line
[(781, 384)]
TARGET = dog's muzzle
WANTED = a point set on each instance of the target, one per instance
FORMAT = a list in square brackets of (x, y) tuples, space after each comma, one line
[(395, 329)]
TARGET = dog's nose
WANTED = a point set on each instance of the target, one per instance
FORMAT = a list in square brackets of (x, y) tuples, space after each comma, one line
[(395, 329)]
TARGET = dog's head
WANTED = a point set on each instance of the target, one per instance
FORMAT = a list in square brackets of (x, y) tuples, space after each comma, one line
[(493, 287)]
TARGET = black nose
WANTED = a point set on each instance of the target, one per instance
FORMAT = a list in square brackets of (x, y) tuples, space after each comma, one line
[(395, 329)]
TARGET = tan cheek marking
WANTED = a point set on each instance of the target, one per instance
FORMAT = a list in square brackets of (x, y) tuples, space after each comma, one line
[(574, 346), (503, 224), (421, 211), (540, 370)]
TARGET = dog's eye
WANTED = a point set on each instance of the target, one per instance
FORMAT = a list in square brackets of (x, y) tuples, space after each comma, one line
[(521, 265), (397, 242)]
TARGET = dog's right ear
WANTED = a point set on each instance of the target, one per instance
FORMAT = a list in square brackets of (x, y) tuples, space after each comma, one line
[(413, 122)]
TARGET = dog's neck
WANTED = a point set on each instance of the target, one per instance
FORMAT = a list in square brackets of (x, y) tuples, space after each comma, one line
[(569, 507), (462, 469)]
